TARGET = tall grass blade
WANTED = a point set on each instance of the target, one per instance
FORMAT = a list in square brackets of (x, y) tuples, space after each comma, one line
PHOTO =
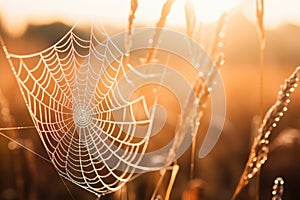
[(260, 147)]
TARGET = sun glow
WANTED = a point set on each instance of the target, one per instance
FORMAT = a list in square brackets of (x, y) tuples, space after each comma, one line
[(21, 13), (210, 11), (16, 15)]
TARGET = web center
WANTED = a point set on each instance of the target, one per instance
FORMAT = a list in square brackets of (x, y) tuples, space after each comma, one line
[(82, 116)]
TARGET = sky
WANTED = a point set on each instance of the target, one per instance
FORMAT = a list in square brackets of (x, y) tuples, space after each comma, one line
[(276, 11), (16, 15)]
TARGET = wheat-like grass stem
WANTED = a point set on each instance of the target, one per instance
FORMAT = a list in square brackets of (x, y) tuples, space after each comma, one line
[(278, 189), (259, 150), (160, 24)]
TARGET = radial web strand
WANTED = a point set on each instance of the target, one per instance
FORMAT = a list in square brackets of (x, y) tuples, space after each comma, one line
[(71, 92)]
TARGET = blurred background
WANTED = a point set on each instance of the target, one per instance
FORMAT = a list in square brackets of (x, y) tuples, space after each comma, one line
[(32, 25)]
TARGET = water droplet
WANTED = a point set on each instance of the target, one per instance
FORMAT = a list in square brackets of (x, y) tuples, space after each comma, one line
[(196, 101), (12, 146), (221, 35), (267, 134), (262, 161), (274, 125), (288, 101), (292, 89), (258, 165), (265, 158), (157, 159), (222, 62), (150, 41), (285, 109), (220, 44), (281, 180)]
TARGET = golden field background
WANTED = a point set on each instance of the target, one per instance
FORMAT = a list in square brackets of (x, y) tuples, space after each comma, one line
[(221, 169)]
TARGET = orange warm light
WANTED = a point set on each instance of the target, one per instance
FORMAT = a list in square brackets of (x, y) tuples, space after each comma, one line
[(15, 15), (21, 13)]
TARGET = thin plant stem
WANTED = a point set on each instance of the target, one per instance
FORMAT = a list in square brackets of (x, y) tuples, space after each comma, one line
[(175, 170), (133, 9), (162, 175), (193, 153), (259, 150), (260, 22), (190, 18), (278, 189), (160, 24)]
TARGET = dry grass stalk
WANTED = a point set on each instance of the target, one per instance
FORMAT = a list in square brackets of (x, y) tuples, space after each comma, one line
[(174, 168), (172, 180), (259, 150), (260, 19), (201, 88), (278, 189), (219, 35), (190, 18), (133, 8), (164, 13), (160, 24), (260, 22)]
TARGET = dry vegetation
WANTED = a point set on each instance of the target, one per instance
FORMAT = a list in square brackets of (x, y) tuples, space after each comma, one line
[(271, 153)]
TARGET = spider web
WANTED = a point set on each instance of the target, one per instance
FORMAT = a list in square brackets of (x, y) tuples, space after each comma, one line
[(71, 92), (87, 125)]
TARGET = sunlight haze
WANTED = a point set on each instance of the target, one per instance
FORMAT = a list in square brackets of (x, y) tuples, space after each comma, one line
[(16, 15)]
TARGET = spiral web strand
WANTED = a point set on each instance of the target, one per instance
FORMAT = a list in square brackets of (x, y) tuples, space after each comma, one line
[(71, 92)]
